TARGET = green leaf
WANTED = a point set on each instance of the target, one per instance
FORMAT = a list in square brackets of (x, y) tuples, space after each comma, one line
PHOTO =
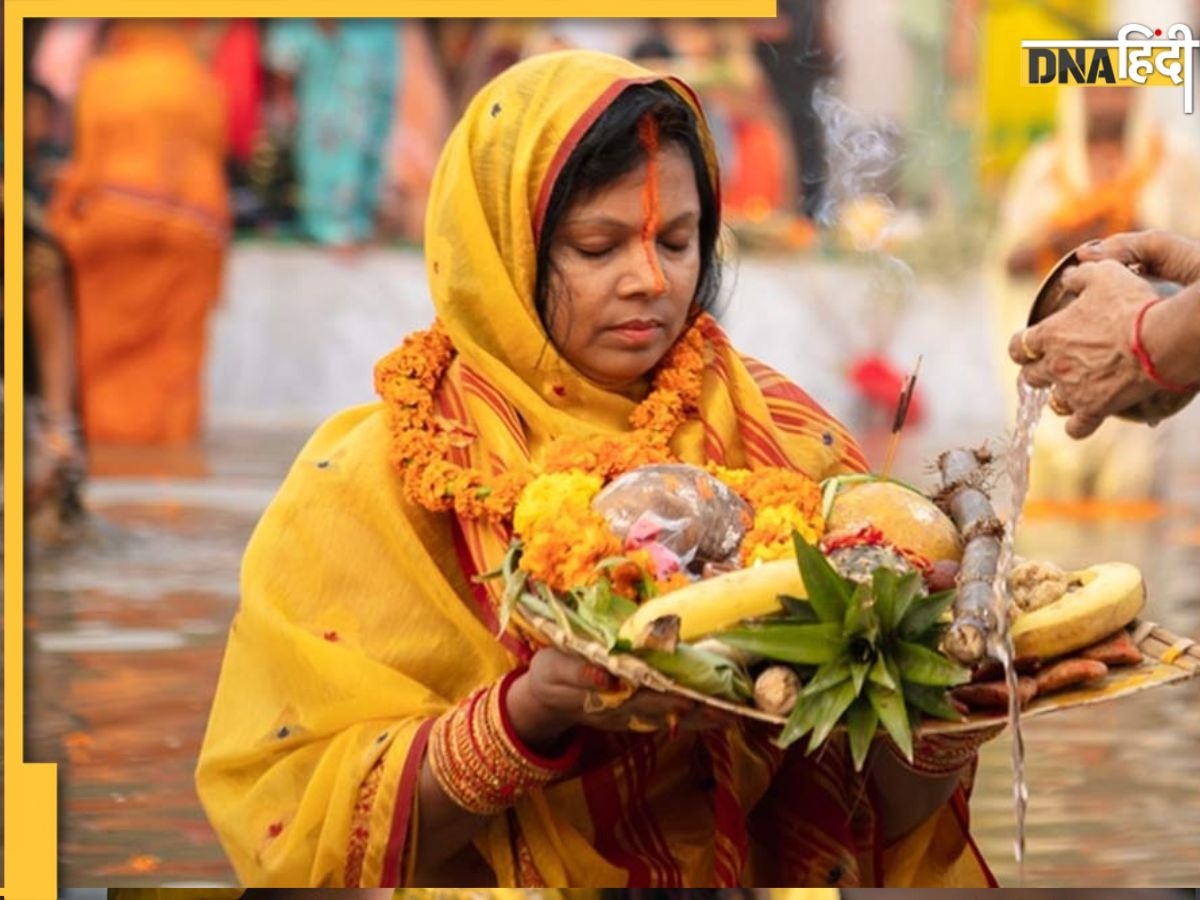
[(828, 592), (831, 674), (879, 675), (545, 604), (883, 589), (889, 705), (513, 589), (908, 589), (708, 673), (931, 701), (798, 609), (836, 700), (924, 613), (556, 608), (920, 665), (860, 616), (602, 610), (858, 674), (799, 723), (861, 724), (785, 641)]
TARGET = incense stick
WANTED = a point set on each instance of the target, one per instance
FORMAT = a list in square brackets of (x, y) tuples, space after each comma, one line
[(906, 393)]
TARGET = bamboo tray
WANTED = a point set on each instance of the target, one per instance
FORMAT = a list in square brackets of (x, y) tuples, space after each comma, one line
[(1169, 658)]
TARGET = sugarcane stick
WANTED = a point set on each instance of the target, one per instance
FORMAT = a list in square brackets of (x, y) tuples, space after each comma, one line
[(963, 498)]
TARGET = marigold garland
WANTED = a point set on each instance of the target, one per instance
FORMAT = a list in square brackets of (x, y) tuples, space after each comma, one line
[(407, 378), (550, 508)]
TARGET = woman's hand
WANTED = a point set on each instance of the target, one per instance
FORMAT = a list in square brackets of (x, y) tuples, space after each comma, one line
[(561, 690)]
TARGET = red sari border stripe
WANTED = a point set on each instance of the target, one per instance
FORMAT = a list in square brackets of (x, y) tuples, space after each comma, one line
[(402, 810)]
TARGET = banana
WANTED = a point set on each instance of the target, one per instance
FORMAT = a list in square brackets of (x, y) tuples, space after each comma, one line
[(716, 603), (1111, 596)]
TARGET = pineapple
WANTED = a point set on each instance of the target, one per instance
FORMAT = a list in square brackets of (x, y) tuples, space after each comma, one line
[(874, 640)]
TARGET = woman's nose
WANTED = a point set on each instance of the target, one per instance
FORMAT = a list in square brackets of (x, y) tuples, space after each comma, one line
[(644, 276)]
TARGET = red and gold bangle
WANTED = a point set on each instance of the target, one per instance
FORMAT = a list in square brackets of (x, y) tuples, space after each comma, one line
[(1143, 356), (478, 759), (943, 753)]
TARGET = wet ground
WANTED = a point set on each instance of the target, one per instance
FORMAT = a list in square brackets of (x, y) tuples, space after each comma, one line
[(127, 630)]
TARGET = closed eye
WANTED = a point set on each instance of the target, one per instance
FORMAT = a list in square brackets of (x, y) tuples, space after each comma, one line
[(592, 253)]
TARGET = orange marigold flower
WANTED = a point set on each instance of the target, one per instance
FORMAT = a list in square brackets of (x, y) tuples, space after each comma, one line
[(672, 582), (408, 377)]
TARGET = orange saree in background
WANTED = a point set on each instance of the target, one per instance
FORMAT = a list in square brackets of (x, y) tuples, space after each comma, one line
[(142, 212), (359, 623)]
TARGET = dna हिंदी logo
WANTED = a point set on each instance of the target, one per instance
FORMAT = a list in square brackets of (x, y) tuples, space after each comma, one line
[(1139, 57)]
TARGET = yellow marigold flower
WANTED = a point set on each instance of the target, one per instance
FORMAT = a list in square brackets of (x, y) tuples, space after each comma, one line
[(771, 535), (553, 495)]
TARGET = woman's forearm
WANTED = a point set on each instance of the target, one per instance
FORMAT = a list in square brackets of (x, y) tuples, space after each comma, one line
[(477, 765), (1171, 336), (444, 829)]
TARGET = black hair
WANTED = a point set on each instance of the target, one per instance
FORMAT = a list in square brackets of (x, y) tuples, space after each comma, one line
[(610, 148)]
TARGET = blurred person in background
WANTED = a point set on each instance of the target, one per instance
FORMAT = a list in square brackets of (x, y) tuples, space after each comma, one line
[(796, 52), (54, 458), (939, 165), (1013, 115), (59, 50), (336, 82), (44, 151), (758, 184), (234, 56), (1108, 168), (423, 118), (142, 213)]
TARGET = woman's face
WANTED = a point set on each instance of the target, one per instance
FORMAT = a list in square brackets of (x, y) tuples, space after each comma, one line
[(624, 264)]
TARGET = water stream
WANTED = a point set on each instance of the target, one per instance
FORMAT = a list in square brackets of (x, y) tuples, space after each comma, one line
[(1029, 412)]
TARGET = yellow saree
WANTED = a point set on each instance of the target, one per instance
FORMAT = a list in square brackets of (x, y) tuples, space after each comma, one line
[(359, 624)]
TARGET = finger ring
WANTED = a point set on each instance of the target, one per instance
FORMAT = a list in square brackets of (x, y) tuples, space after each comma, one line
[(637, 723), (1028, 354), (593, 703), (1059, 405)]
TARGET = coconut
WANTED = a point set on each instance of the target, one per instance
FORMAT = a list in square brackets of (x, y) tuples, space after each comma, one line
[(907, 520)]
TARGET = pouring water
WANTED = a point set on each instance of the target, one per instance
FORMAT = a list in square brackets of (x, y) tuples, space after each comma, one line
[(1029, 411)]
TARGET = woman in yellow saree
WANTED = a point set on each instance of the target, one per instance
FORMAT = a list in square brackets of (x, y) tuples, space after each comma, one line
[(369, 726)]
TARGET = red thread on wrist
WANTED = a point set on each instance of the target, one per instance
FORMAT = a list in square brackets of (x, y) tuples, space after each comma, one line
[(1143, 356)]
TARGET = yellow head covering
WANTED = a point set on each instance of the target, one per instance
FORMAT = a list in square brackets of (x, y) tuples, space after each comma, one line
[(489, 196)]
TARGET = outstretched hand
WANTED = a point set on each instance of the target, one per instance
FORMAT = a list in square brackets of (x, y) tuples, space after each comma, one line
[(1083, 352)]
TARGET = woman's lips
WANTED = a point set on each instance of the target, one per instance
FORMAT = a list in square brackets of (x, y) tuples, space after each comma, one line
[(638, 332)]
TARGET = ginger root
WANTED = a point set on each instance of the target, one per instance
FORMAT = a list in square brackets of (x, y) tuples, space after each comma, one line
[(776, 690), (1035, 583)]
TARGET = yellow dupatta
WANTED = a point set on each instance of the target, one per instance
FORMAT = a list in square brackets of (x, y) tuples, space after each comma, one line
[(359, 625)]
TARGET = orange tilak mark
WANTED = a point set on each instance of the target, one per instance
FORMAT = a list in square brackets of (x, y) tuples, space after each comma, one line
[(648, 134)]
